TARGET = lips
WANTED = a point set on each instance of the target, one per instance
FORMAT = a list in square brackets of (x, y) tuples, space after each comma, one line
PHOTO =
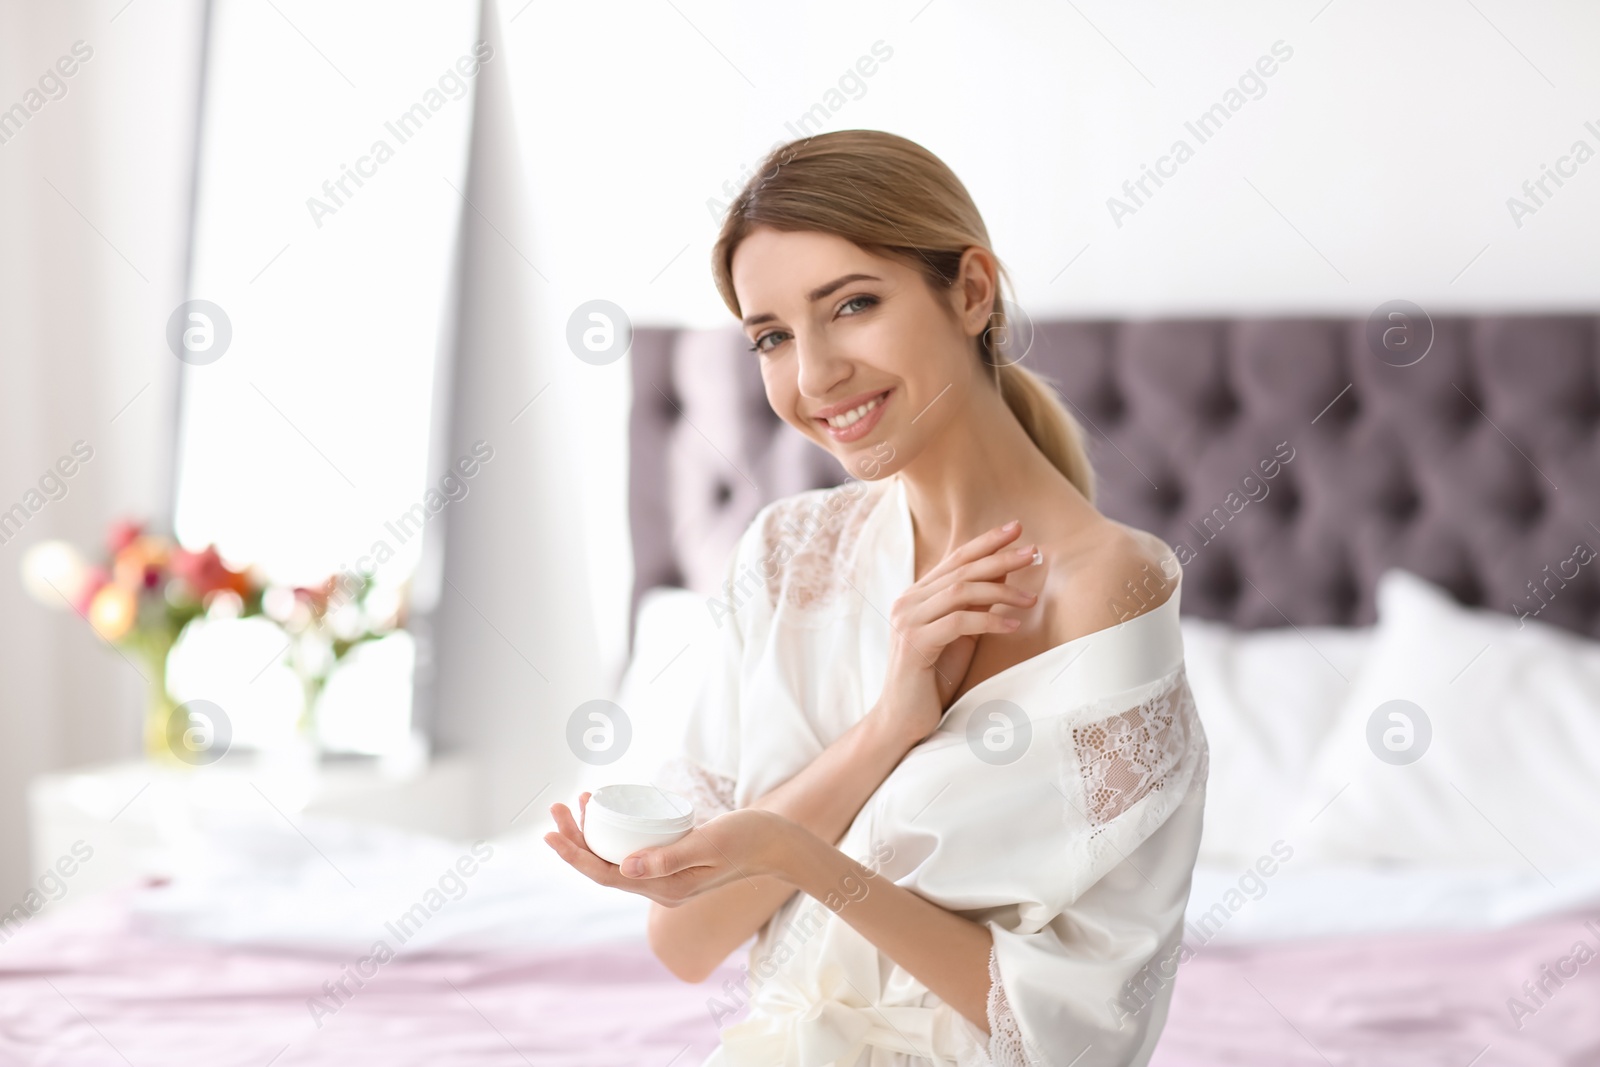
[(834, 410), (853, 419)]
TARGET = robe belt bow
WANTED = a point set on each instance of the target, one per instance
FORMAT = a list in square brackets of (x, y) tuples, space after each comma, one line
[(822, 1023)]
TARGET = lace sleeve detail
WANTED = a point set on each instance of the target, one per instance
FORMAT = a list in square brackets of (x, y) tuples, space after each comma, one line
[(710, 793), (1128, 756), (1007, 1046)]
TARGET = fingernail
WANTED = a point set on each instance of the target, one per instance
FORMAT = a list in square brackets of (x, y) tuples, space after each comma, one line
[(1012, 525), (632, 867), (1038, 557), (1012, 622)]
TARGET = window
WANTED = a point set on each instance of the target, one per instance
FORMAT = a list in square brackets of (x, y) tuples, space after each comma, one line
[(330, 184)]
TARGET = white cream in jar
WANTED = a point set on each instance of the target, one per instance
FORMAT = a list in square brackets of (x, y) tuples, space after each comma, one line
[(619, 820)]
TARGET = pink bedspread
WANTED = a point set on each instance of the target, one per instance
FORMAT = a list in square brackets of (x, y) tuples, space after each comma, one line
[(1415, 1000), (94, 991)]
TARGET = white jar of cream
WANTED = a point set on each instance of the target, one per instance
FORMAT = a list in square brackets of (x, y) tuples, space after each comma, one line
[(619, 820)]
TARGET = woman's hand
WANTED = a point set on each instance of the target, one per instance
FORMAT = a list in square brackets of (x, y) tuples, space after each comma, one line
[(934, 627), (738, 844)]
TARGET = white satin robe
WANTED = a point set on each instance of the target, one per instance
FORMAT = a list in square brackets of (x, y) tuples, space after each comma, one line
[(1075, 854)]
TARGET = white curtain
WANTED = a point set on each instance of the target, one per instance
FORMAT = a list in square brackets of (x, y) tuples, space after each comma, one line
[(510, 649), (95, 181)]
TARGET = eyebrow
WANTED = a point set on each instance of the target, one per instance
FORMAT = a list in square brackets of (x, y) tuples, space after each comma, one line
[(814, 295)]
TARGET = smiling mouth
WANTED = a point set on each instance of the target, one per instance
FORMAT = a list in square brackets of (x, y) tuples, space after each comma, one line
[(856, 414)]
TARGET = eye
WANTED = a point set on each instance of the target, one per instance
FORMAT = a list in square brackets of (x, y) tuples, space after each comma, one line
[(760, 341), (854, 306)]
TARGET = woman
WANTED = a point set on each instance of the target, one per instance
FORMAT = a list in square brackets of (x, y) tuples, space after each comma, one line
[(949, 771)]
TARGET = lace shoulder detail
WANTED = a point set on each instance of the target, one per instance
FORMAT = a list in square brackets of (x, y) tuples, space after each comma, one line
[(1007, 1046), (1127, 756), (808, 545), (710, 793)]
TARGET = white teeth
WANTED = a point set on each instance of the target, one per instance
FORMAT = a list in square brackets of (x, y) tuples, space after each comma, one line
[(839, 422)]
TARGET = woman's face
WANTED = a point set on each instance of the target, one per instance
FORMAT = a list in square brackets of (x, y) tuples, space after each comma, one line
[(857, 351)]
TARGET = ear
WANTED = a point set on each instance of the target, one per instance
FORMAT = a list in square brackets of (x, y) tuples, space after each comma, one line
[(977, 282)]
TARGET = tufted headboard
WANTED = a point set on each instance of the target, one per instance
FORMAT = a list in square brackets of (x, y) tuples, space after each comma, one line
[(1476, 467)]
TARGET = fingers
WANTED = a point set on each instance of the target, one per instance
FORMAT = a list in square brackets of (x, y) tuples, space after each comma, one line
[(662, 860), (586, 862), (646, 863), (570, 845), (567, 828), (668, 892), (959, 595), (996, 564), (564, 823), (959, 623), (977, 548), (993, 566)]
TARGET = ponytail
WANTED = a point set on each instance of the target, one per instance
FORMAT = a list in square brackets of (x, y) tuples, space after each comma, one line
[(1049, 424), (1035, 401)]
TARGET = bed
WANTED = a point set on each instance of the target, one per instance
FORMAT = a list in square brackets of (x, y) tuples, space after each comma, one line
[(1426, 537), (1425, 543)]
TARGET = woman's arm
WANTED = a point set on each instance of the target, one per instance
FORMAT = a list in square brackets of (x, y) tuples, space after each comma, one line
[(825, 796), (946, 953)]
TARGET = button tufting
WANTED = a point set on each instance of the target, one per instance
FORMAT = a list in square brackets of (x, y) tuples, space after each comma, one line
[(1347, 410), (1344, 595), (1466, 406), (1285, 501), (1223, 583), (1222, 407), (1402, 504), (1169, 497), (1113, 410), (1516, 503)]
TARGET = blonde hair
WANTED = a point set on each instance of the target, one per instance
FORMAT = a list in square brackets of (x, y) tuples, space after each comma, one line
[(891, 196)]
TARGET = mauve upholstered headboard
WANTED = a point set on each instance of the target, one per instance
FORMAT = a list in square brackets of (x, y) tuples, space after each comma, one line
[(1477, 467)]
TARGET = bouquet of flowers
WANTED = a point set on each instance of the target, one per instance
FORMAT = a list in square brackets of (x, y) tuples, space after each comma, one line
[(146, 589)]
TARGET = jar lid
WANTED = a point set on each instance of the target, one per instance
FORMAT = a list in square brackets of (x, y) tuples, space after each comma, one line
[(645, 807)]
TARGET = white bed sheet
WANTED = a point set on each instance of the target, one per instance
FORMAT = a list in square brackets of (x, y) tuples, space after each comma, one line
[(335, 889), (266, 886), (1267, 698)]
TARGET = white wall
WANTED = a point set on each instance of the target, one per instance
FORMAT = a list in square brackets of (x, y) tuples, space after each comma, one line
[(1375, 165), (94, 201)]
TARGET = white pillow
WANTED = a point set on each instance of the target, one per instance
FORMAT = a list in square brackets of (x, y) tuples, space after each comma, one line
[(673, 646), (1509, 776), (1266, 699)]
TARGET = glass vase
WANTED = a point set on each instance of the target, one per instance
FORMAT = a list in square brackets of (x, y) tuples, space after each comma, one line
[(158, 712)]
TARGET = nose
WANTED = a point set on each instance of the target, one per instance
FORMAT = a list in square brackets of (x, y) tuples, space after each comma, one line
[(822, 367)]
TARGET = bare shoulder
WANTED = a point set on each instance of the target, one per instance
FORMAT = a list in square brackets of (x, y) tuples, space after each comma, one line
[(1110, 573)]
